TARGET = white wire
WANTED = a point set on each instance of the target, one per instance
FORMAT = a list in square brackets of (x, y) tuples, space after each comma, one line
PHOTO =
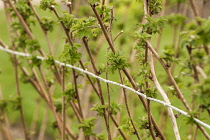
[(111, 82)]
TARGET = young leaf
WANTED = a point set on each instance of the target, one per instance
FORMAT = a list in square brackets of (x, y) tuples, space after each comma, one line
[(99, 109), (88, 126), (70, 54), (46, 4), (117, 61)]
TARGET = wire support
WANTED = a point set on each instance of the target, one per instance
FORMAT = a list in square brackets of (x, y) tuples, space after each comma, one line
[(110, 82)]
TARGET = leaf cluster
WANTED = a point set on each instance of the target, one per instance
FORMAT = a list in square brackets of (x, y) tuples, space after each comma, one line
[(47, 23), (204, 90), (46, 4), (116, 61), (142, 39), (153, 25), (92, 2), (151, 92), (69, 92), (195, 36), (24, 9), (50, 61), (155, 7), (127, 127), (115, 108), (106, 12), (12, 103), (168, 57), (32, 45), (70, 54), (99, 109), (84, 27), (35, 61), (88, 126), (143, 123)]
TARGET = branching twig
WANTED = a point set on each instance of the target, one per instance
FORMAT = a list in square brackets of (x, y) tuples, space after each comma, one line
[(163, 94)]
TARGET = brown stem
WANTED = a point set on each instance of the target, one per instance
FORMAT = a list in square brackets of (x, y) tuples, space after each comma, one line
[(204, 132), (76, 111), (90, 55), (40, 89), (118, 35), (64, 27), (19, 95), (24, 24), (108, 109), (63, 106), (116, 124), (77, 94), (196, 77), (44, 31), (103, 28), (5, 121), (69, 4), (194, 8), (127, 108), (124, 70), (180, 95), (98, 83), (90, 80), (149, 120), (163, 94), (22, 21), (57, 74), (109, 102)]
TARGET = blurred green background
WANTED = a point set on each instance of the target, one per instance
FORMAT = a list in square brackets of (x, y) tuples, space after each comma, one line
[(127, 15)]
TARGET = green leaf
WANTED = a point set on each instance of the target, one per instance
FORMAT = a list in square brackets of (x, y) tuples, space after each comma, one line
[(35, 61), (24, 9), (70, 92), (85, 27), (15, 103), (127, 127), (92, 2), (106, 12), (46, 4), (47, 24), (101, 137), (99, 109), (116, 61), (151, 92), (50, 61), (114, 108), (143, 123), (153, 25), (88, 126), (70, 54), (68, 20), (32, 45), (155, 6), (3, 105)]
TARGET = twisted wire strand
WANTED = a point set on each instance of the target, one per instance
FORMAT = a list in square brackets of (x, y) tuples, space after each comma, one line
[(110, 82)]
